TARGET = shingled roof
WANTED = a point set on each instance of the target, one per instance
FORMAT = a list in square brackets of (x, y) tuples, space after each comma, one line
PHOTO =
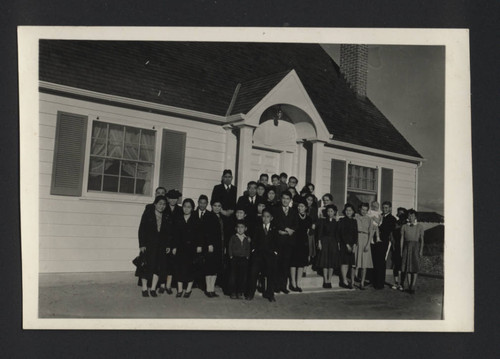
[(203, 76)]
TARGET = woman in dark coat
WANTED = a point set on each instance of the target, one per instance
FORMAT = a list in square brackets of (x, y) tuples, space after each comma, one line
[(187, 244), (347, 234), (312, 211), (300, 251), (154, 232), (328, 257), (172, 211), (214, 248)]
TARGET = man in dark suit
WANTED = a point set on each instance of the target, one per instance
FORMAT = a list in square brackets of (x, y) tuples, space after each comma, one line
[(286, 221), (379, 248), (264, 255), (225, 193), (248, 202), (208, 225)]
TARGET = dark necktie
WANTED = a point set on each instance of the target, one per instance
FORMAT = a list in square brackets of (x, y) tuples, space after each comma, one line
[(265, 229)]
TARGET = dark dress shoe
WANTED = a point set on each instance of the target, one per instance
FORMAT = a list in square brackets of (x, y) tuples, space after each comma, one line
[(145, 293), (249, 297), (271, 299), (153, 293), (169, 291), (292, 288), (187, 294), (299, 289), (161, 290), (285, 291), (178, 295), (350, 286), (325, 285), (214, 295), (208, 294)]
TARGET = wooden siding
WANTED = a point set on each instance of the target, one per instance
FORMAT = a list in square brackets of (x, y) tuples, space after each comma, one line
[(404, 186), (98, 232)]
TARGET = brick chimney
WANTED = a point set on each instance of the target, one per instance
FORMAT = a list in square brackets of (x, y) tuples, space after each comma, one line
[(354, 66)]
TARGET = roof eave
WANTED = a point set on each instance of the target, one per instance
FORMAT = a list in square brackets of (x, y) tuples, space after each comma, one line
[(88, 95), (376, 152)]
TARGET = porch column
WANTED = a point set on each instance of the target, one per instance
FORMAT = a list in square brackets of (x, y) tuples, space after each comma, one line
[(318, 149), (244, 157), (231, 148), (301, 161)]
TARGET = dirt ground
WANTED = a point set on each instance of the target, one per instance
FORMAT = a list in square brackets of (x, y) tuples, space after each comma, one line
[(115, 295)]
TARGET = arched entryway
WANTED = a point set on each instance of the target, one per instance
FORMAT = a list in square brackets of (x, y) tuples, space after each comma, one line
[(281, 143)]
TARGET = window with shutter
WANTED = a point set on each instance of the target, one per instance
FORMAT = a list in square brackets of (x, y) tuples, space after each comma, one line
[(173, 149), (386, 184), (69, 154), (337, 182), (122, 159)]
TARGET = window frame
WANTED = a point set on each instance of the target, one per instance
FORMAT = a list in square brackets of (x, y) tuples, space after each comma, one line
[(376, 192), (118, 196)]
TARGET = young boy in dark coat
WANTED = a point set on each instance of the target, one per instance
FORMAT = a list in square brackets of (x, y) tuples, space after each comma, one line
[(239, 254)]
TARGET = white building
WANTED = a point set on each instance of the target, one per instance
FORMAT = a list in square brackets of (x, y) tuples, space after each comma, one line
[(118, 119)]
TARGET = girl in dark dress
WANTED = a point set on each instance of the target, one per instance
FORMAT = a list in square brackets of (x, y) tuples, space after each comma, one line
[(214, 248), (153, 236), (312, 211), (300, 251), (347, 234), (396, 248), (328, 245), (187, 244)]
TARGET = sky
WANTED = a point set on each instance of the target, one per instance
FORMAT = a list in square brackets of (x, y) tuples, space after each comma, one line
[(406, 83)]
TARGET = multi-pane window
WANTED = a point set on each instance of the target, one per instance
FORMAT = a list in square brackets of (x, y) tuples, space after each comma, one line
[(362, 184), (362, 178), (121, 159)]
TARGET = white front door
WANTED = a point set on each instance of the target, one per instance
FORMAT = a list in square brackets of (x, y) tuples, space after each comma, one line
[(263, 161)]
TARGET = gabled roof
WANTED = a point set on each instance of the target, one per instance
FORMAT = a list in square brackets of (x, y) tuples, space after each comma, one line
[(203, 76)]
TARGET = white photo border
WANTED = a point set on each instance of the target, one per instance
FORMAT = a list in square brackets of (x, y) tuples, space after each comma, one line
[(458, 302)]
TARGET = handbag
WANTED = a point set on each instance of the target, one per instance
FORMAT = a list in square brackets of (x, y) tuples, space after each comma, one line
[(140, 260)]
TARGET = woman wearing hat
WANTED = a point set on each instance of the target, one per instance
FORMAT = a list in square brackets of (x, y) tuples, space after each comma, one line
[(154, 232), (172, 211), (188, 244)]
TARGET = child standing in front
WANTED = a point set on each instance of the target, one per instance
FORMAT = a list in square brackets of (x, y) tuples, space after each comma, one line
[(239, 253)]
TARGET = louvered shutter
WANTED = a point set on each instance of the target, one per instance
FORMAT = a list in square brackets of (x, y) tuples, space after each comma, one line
[(338, 182), (386, 185), (173, 150), (69, 154)]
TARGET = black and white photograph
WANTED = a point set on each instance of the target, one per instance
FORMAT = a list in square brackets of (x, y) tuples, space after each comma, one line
[(209, 180)]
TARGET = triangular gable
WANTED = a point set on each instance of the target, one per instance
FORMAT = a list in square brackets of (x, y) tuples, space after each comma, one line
[(289, 91)]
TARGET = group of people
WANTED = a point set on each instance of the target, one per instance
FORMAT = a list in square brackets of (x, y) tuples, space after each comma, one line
[(264, 239)]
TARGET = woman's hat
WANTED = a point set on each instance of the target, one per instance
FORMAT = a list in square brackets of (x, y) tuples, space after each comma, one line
[(174, 194)]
